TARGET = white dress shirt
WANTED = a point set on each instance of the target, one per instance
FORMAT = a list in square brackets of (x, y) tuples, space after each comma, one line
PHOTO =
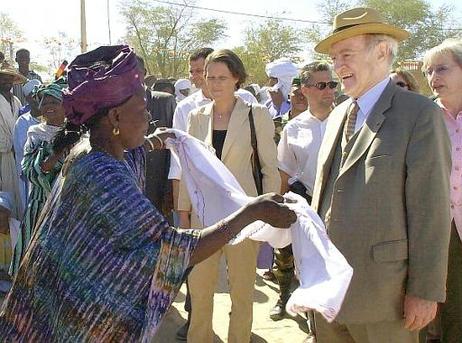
[(367, 101), (299, 147)]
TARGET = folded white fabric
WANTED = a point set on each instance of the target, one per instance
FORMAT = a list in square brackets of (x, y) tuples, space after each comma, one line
[(215, 193)]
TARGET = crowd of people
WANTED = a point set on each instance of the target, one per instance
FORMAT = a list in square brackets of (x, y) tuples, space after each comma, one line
[(97, 228)]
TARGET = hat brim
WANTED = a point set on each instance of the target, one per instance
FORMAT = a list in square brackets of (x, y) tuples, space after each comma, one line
[(323, 46), (18, 78)]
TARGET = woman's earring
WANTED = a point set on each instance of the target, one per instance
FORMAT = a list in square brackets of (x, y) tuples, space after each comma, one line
[(115, 131)]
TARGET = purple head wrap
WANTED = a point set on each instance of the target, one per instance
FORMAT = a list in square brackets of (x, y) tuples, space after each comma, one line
[(102, 78)]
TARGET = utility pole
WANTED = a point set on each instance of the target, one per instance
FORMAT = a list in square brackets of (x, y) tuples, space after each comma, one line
[(83, 27), (109, 23)]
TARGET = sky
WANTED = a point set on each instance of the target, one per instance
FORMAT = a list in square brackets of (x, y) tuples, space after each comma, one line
[(40, 19)]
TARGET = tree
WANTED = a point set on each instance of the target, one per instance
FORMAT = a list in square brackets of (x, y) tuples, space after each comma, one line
[(60, 48), (427, 27), (266, 43), (165, 36), (10, 34)]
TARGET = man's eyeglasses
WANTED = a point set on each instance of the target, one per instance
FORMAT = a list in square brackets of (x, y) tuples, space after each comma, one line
[(322, 85), (402, 84)]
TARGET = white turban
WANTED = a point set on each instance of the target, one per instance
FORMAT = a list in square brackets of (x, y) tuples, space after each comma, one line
[(180, 85), (284, 70)]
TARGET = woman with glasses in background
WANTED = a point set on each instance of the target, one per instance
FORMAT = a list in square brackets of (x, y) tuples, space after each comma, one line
[(442, 66), (405, 79)]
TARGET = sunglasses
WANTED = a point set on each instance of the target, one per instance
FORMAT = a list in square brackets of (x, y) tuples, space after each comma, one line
[(322, 85), (402, 84)]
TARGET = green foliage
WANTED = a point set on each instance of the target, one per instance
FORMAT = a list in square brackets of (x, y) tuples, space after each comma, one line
[(266, 43), (10, 34), (59, 48), (165, 36), (427, 27)]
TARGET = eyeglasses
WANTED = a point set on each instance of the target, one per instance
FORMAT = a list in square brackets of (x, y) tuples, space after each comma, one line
[(322, 85), (402, 84), (439, 69)]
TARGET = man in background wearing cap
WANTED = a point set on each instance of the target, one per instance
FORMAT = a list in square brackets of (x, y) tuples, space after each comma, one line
[(22, 125), (385, 153), (9, 109)]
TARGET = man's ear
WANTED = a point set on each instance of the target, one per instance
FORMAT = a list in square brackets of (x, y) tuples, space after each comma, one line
[(382, 51), (304, 89)]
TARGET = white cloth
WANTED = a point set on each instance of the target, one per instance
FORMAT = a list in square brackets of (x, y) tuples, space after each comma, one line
[(181, 84), (180, 119), (29, 86), (284, 70), (299, 147), (9, 179), (215, 193), (40, 133)]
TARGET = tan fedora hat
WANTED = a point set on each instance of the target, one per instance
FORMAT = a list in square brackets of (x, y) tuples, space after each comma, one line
[(17, 77), (359, 21)]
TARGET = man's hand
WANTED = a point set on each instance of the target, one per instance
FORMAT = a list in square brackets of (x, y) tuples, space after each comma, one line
[(4, 221), (277, 97), (418, 312)]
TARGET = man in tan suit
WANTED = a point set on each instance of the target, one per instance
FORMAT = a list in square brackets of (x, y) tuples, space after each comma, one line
[(382, 188)]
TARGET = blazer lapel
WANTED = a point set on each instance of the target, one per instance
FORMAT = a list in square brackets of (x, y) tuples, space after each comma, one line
[(370, 128), (206, 124), (238, 118)]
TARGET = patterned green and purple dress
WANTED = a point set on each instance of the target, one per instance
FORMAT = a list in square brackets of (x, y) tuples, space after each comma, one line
[(103, 266), (37, 149)]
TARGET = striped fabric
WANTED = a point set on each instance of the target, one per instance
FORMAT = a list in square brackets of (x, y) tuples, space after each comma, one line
[(352, 114), (40, 187), (104, 266), (349, 128)]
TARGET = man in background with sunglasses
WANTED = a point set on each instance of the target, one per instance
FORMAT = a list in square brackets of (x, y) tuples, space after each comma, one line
[(297, 155)]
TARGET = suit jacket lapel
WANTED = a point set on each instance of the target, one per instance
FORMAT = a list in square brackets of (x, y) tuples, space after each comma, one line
[(328, 146), (238, 118), (370, 128)]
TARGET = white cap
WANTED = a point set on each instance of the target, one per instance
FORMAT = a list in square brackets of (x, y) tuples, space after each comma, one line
[(29, 86)]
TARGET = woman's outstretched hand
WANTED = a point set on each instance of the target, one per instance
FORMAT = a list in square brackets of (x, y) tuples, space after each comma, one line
[(270, 208)]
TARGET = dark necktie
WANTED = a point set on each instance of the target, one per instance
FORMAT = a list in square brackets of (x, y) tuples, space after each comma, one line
[(349, 127)]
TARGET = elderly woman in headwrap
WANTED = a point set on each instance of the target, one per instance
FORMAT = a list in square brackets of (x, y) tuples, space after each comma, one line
[(41, 163), (104, 265)]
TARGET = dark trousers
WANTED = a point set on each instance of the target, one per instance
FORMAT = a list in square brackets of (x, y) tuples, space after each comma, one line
[(451, 310)]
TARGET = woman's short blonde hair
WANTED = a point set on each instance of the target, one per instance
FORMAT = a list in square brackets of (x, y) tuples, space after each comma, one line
[(451, 45)]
